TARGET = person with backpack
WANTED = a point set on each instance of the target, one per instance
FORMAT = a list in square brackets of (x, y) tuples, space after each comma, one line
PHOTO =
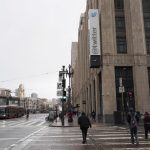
[(146, 124), (132, 120)]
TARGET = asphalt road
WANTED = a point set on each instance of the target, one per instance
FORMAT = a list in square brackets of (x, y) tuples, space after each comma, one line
[(36, 134), (14, 131)]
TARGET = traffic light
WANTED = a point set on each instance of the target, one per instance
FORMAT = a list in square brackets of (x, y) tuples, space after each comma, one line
[(63, 83), (63, 99), (64, 93)]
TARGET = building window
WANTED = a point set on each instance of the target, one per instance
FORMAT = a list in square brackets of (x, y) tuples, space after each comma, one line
[(148, 45), (123, 100), (121, 45), (120, 24), (147, 24), (146, 5), (119, 4)]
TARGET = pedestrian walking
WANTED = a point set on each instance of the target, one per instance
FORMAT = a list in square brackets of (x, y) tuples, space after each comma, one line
[(93, 115), (146, 124), (132, 120), (84, 123), (27, 113), (70, 116)]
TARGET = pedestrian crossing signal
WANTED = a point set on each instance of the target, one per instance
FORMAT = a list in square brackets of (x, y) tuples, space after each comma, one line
[(63, 99), (63, 83), (64, 93)]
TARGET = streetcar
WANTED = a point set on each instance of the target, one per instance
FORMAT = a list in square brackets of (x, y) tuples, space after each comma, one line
[(10, 111)]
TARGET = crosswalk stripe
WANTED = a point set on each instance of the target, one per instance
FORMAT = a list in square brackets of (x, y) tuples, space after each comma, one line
[(117, 138), (22, 123)]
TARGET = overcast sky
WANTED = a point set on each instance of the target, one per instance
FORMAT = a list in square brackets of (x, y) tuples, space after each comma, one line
[(35, 41)]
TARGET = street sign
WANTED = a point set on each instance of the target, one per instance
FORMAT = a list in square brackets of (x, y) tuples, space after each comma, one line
[(62, 72), (120, 82), (60, 77), (121, 89), (59, 85), (60, 93)]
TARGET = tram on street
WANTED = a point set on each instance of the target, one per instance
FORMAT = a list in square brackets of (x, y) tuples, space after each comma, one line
[(11, 111)]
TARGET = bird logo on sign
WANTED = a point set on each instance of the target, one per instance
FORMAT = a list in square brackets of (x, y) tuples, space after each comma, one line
[(93, 14)]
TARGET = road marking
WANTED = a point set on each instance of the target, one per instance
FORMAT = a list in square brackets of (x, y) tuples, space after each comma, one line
[(41, 123), (24, 141), (141, 148), (114, 138), (3, 139)]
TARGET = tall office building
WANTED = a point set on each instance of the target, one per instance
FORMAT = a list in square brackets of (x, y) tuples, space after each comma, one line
[(112, 68)]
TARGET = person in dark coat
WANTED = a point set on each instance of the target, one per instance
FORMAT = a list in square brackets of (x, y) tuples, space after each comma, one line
[(84, 123), (27, 113), (93, 114), (146, 124), (132, 120)]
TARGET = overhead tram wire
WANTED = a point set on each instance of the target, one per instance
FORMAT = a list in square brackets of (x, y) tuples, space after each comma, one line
[(27, 77)]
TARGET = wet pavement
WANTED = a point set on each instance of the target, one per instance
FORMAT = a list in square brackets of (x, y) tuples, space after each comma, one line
[(68, 137)]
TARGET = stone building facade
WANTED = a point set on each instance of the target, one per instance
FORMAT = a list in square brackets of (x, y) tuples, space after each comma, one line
[(122, 81)]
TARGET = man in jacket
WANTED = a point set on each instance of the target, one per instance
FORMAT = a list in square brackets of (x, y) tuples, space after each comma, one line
[(132, 120), (84, 123), (146, 124)]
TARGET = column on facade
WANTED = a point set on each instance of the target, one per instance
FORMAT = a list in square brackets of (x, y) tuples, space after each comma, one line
[(108, 92), (136, 41), (142, 101), (97, 96), (86, 97), (92, 96), (108, 37)]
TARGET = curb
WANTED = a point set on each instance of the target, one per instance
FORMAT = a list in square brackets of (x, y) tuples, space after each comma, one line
[(61, 126)]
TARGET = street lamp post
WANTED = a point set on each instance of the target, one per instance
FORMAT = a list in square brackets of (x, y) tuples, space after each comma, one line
[(56, 112), (62, 74), (64, 93), (122, 91), (69, 72)]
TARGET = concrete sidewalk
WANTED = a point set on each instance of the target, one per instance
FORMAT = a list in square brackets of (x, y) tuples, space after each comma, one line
[(58, 123)]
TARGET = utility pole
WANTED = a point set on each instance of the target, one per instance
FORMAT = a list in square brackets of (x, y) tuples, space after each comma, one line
[(64, 93), (62, 74), (69, 73)]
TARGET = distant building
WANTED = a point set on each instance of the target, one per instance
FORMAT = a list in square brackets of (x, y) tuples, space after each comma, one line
[(74, 54), (74, 48), (34, 95), (5, 92), (20, 92), (35, 104)]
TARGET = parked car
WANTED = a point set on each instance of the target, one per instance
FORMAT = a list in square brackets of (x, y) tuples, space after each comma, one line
[(51, 115)]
